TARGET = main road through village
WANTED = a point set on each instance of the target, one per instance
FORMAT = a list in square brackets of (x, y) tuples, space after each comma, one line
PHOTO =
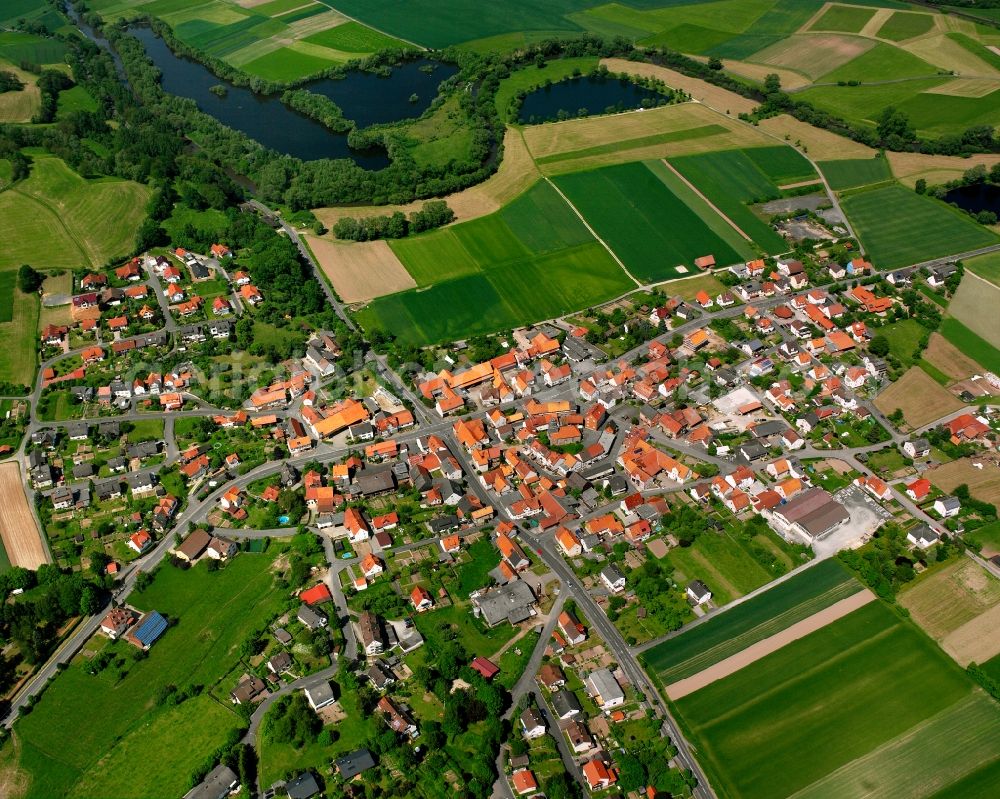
[(544, 545)]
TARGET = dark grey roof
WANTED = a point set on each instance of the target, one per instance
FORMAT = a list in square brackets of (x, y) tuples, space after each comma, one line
[(565, 703), (83, 470), (440, 524), (216, 785), (375, 481), (302, 787), (354, 763)]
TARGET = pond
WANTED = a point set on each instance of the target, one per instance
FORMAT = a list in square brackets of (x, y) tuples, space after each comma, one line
[(363, 97), (975, 198), (598, 95)]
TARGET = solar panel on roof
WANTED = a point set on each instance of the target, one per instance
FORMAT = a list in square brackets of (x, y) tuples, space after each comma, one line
[(150, 628)]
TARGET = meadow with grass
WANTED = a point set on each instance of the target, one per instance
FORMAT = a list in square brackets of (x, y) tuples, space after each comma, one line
[(795, 723), (56, 219), (212, 613)]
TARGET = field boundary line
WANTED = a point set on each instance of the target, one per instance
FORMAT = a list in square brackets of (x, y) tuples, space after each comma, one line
[(710, 204), (370, 27), (593, 233), (805, 26), (640, 648), (761, 649), (813, 605)]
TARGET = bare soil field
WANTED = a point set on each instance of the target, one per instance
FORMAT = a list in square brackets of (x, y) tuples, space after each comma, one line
[(920, 397), (814, 54), (362, 270), (945, 356), (977, 640), (516, 174), (984, 484), (949, 599), (757, 72), (21, 537), (975, 306), (908, 167), (761, 649), (713, 96), (948, 359), (821, 145)]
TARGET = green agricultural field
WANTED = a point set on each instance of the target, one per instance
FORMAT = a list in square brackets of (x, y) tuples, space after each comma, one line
[(846, 19), (768, 613), (213, 610), (353, 37), (16, 47), (942, 750), (976, 347), (694, 202), (882, 62), (643, 222), (489, 273), (731, 180), (504, 296), (281, 40), (794, 721), (853, 172), (902, 25), (986, 266), (917, 229), (438, 24), (57, 219), (932, 113), (781, 164)]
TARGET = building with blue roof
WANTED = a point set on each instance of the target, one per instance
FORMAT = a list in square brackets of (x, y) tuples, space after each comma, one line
[(148, 629)]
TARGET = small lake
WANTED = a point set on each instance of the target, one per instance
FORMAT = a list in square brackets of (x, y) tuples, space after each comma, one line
[(363, 97), (597, 95), (975, 198)]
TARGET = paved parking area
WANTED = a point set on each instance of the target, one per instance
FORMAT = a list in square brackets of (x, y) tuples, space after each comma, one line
[(867, 516)]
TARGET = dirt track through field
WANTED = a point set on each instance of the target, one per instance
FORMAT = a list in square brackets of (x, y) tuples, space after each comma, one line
[(755, 652), (21, 537)]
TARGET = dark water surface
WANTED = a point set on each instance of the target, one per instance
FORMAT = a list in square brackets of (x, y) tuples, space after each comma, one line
[(363, 97), (977, 197), (597, 95)]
